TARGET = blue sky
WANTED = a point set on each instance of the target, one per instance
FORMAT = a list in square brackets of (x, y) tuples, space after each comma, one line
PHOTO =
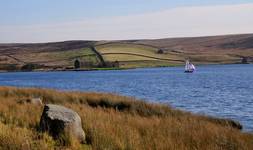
[(59, 20), (20, 12)]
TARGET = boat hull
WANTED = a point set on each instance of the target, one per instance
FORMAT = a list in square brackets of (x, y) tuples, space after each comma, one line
[(189, 71)]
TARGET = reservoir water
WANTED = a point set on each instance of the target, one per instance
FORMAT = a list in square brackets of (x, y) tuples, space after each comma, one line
[(217, 90)]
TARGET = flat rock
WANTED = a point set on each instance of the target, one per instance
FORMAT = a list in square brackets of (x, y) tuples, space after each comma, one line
[(58, 120)]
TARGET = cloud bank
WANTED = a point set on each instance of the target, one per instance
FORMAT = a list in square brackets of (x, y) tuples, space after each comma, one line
[(177, 22)]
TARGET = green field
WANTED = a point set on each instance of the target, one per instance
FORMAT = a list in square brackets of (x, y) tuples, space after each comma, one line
[(63, 59), (136, 55)]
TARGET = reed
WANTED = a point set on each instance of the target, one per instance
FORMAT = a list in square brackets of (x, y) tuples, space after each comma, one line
[(113, 122)]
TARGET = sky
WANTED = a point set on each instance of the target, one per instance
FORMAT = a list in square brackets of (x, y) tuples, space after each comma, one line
[(26, 21)]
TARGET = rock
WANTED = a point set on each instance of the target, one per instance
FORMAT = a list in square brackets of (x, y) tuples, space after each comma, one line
[(58, 120), (35, 101)]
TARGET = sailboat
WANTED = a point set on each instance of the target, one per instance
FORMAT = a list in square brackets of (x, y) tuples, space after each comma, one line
[(189, 67)]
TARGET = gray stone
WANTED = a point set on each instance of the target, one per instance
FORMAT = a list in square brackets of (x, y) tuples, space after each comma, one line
[(58, 120)]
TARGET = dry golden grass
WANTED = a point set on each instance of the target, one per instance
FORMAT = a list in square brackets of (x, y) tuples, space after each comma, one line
[(114, 122)]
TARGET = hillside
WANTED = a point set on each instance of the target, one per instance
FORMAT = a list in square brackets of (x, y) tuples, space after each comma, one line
[(213, 49), (113, 122), (58, 55), (129, 53)]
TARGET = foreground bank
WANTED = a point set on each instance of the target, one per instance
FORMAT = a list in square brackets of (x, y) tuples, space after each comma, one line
[(112, 122)]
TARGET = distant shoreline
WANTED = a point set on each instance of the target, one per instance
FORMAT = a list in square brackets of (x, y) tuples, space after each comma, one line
[(110, 69), (126, 54)]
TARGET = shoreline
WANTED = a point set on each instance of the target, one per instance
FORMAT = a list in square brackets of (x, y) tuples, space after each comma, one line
[(147, 101), (110, 69), (109, 118)]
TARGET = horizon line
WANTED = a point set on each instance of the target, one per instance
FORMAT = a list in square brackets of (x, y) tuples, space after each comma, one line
[(179, 37)]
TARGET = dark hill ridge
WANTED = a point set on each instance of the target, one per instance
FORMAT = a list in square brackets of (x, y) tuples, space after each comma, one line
[(202, 50), (44, 47), (240, 41)]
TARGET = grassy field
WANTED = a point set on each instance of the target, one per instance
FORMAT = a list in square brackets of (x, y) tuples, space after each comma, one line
[(114, 122), (202, 50), (137, 55), (53, 59), (209, 49)]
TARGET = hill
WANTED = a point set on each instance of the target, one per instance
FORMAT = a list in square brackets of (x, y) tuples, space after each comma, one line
[(128, 54)]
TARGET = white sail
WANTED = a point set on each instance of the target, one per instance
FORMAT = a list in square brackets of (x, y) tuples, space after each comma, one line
[(189, 67), (192, 67)]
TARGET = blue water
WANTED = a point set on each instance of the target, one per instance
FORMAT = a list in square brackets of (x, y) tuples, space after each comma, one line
[(217, 90)]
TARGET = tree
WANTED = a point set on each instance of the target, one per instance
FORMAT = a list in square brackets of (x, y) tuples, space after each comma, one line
[(160, 51), (30, 67), (77, 64), (244, 60)]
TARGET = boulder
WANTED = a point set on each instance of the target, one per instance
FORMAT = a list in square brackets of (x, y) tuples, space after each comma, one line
[(58, 120)]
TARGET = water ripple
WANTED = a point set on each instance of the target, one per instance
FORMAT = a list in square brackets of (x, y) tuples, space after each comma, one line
[(218, 90)]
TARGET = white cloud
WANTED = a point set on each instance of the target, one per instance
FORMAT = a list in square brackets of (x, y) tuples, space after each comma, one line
[(177, 22)]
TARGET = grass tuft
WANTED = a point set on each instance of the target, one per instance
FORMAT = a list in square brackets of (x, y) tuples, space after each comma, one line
[(114, 122)]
